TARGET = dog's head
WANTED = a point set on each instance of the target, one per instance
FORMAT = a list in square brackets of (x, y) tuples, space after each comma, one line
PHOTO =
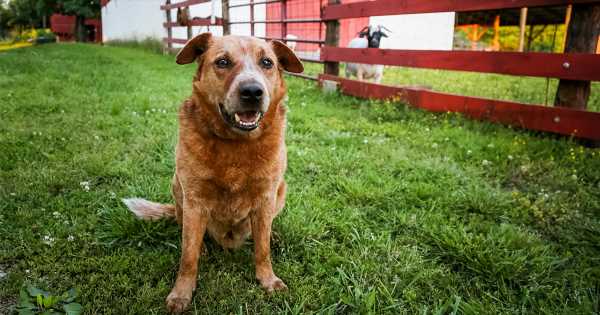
[(239, 78)]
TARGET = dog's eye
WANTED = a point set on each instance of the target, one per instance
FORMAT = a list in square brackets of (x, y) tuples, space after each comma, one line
[(266, 63), (223, 63)]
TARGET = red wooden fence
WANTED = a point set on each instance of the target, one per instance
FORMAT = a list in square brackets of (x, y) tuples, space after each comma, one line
[(567, 66), (571, 66)]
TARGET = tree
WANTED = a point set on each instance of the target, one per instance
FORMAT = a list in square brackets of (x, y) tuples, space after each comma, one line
[(5, 17), (81, 9)]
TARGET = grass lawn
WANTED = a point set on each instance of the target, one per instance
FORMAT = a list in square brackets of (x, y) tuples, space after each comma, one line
[(390, 209)]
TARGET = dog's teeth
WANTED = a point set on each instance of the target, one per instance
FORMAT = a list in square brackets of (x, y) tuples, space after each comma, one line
[(237, 118)]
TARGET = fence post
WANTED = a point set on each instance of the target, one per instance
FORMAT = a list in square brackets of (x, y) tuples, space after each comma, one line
[(283, 8), (252, 17), (225, 9), (332, 38), (169, 29), (582, 37)]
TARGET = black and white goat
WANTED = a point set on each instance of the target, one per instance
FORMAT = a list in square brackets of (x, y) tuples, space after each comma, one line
[(368, 37)]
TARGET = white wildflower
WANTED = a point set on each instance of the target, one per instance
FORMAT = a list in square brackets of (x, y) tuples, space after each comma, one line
[(486, 163), (48, 240), (434, 145), (71, 238), (510, 157), (574, 176), (56, 214), (85, 185), (469, 152)]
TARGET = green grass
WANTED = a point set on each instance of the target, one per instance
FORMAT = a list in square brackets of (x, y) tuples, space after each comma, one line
[(390, 209)]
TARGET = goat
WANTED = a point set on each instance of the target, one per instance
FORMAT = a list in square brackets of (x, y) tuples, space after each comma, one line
[(365, 71)]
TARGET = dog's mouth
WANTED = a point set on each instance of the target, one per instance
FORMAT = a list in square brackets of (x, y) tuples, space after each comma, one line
[(243, 120)]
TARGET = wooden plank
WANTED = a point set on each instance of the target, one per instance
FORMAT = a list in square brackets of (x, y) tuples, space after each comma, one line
[(564, 121), (394, 7), (582, 34), (278, 21), (522, 25), (310, 41), (255, 3), (332, 40), (175, 41), (251, 17), (564, 66), (196, 22), (303, 76), (226, 18), (182, 4), (169, 30)]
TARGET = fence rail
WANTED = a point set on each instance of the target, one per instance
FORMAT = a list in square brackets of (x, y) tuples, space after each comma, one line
[(563, 66), (575, 66), (565, 121), (182, 4), (395, 7)]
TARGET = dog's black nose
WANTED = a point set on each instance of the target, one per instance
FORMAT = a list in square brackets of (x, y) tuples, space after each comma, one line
[(251, 92)]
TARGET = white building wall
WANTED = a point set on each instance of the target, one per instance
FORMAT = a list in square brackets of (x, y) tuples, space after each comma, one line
[(433, 31), (140, 19), (132, 20)]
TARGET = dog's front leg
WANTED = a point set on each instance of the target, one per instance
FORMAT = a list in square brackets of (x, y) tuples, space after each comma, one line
[(261, 233), (194, 222)]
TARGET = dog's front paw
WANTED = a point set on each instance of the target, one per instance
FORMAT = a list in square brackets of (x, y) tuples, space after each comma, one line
[(272, 284), (177, 304)]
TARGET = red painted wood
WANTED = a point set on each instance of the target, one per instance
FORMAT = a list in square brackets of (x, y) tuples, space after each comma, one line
[(104, 2), (195, 22), (182, 4), (175, 40), (565, 121), (564, 66), (394, 7)]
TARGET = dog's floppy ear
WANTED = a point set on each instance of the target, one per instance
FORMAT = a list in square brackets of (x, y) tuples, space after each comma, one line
[(286, 57), (194, 48)]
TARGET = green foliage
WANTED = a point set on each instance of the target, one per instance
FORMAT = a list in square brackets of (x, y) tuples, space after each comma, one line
[(85, 8), (36, 301), (390, 210), (545, 38)]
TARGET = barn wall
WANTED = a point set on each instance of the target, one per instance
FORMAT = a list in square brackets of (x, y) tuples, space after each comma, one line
[(132, 20)]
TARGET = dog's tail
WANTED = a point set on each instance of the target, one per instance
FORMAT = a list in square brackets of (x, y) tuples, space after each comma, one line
[(148, 210)]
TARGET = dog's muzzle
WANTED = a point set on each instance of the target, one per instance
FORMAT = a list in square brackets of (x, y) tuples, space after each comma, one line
[(248, 111)]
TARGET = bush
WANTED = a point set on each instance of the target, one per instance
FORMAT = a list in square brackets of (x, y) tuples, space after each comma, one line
[(45, 36)]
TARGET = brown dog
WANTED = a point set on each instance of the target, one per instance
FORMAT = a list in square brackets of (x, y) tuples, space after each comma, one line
[(230, 155)]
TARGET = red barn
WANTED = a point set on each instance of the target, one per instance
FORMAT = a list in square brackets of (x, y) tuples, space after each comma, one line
[(64, 26), (310, 9)]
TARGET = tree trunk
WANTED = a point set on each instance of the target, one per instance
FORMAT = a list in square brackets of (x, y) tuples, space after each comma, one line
[(80, 33), (582, 37)]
